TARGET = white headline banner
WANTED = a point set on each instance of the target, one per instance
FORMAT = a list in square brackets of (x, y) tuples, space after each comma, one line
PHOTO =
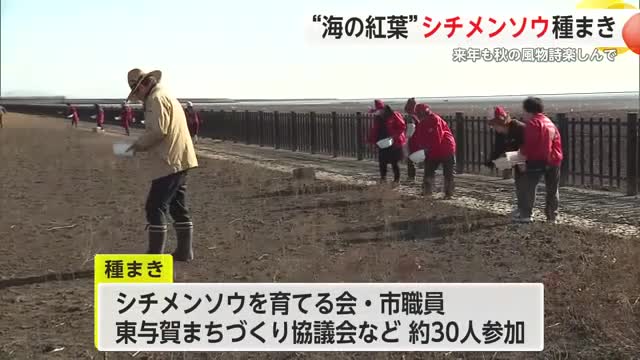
[(320, 317), (577, 28)]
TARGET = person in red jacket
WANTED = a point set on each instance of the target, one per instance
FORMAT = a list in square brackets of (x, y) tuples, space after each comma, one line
[(434, 136), (542, 148), (193, 120), (99, 116), (126, 116), (388, 124), (73, 113)]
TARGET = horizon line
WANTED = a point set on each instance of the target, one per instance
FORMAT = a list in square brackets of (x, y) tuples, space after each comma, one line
[(325, 99)]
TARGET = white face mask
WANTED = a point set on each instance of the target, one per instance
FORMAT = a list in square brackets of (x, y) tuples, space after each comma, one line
[(378, 112)]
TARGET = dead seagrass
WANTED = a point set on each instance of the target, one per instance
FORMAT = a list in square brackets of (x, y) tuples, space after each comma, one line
[(304, 173)]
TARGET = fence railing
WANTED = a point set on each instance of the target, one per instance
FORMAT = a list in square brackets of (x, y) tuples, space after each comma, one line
[(601, 153)]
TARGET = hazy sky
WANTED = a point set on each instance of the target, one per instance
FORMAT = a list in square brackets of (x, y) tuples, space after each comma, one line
[(258, 49)]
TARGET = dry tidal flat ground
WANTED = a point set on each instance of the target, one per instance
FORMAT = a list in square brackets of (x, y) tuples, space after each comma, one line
[(64, 197)]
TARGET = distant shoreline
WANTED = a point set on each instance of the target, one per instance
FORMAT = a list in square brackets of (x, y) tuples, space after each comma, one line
[(609, 104), (62, 99)]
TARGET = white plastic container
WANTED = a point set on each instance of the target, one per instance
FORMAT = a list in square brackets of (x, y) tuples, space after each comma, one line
[(514, 157), (503, 163), (411, 129), (418, 156), (385, 143), (120, 149)]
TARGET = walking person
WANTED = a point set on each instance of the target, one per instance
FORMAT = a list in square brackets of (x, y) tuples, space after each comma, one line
[(172, 156), (388, 124), (434, 136), (509, 137), (193, 120), (411, 120), (542, 149), (99, 116), (126, 116), (72, 112)]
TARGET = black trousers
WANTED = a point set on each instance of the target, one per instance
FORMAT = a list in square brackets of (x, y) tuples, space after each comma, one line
[(391, 156), (168, 195), (411, 169), (527, 198)]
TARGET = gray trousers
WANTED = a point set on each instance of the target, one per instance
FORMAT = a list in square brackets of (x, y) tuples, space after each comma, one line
[(519, 179), (526, 185), (448, 170)]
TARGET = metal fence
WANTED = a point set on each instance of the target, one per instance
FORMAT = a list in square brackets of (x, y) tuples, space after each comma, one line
[(598, 152), (601, 153)]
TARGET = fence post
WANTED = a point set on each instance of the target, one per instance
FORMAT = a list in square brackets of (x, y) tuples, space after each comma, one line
[(632, 154), (276, 129), (294, 131), (234, 126), (314, 141), (359, 140), (563, 127), (225, 117), (219, 122), (334, 133), (246, 127), (460, 142), (261, 128)]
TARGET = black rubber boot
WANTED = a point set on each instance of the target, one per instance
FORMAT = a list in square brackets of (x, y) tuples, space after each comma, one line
[(157, 238), (427, 186), (184, 237)]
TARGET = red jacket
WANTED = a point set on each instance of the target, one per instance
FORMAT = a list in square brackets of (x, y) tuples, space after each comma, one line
[(71, 110), (126, 116), (193, 121), (542, 141), (433, 135), (396, 128), (100, 117)]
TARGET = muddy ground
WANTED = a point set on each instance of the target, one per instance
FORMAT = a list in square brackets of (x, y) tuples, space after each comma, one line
[(64, 197)]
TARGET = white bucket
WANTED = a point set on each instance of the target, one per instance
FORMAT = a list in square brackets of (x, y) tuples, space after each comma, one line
[(418, 156), (385, 143), (503, 163), (120, 149), (411, 129), (514, 157)]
